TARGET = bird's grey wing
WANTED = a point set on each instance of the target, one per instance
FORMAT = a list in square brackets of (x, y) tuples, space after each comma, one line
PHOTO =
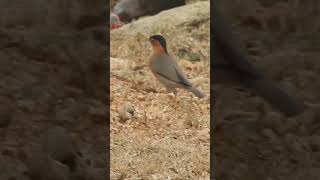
[(231, 48), (166, 67)]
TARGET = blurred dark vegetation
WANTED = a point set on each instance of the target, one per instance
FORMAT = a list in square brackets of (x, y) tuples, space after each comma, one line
[(53, 84), (252, 140)]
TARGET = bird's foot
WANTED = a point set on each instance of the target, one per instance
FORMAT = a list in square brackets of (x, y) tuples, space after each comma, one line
[(174, 99), (171, 95)]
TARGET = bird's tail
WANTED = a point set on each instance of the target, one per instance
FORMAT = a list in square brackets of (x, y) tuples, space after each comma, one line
[(276, 96), (197, 92)]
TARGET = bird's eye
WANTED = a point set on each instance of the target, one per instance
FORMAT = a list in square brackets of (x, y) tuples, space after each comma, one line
[(152, 41)]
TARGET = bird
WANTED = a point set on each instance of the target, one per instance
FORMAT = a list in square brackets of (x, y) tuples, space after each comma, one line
[(232, 65), (115, 21), (166, 70), (125, 11)]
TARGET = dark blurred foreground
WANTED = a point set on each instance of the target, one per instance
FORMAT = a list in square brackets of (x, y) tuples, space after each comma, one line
[(252, 140), (53, 89)]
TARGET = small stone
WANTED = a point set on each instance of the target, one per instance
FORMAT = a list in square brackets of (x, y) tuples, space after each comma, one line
[(129, 108), (124, 116), (126, 112)]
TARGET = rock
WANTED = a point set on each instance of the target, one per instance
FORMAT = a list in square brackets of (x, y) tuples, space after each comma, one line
[(60, 145), (124, 116), (187, 15), (42, 166), (126, 112), (129, 108)]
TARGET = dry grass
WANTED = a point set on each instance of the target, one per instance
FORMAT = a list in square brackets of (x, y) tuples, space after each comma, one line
[(163, 139)]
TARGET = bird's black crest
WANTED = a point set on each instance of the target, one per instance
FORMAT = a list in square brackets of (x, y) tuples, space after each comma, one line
[(161, 40)]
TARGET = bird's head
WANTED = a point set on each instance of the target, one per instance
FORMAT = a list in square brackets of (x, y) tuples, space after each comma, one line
[(158, 43), (115, 21)]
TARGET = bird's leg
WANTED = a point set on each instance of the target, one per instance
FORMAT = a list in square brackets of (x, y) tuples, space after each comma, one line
[(169, 91), (175, 92)]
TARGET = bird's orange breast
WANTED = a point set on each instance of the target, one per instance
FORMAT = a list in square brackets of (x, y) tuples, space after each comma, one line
[(157, 48)]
